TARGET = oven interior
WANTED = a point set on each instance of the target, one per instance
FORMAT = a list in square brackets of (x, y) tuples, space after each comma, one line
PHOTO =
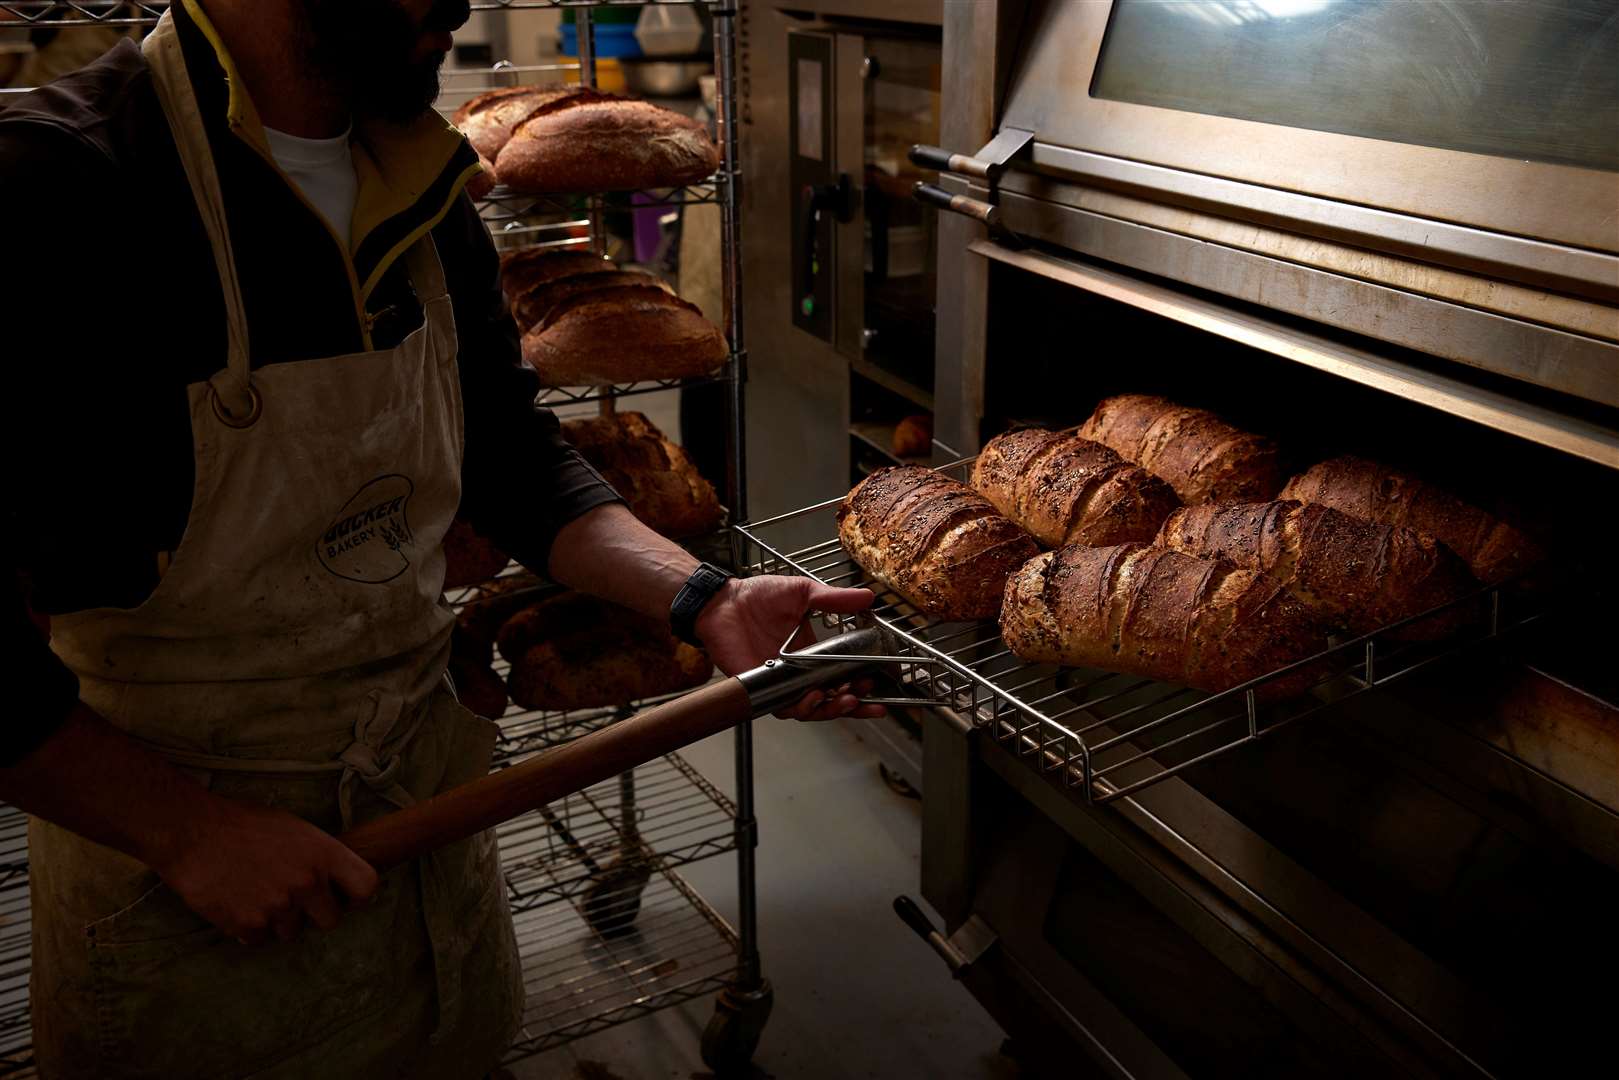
[(1469, 810)]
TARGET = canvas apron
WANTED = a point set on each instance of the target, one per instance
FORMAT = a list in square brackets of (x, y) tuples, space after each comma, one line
[(292, 654)]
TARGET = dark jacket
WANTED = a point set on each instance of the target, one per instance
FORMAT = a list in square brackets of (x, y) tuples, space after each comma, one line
[(110, 306)]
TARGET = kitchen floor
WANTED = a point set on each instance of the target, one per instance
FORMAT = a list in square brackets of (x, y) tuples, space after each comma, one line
[(856, 993)]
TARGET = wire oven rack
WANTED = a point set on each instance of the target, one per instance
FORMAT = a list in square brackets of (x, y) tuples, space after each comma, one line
[(1103, 735)]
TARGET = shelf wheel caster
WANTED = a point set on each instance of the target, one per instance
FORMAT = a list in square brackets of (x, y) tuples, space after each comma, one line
[(733, 1032)]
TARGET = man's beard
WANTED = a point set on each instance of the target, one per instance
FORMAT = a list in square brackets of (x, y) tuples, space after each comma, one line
[(367, 49)]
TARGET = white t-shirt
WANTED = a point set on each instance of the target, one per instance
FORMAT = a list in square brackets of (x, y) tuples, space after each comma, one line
[(323, 169)]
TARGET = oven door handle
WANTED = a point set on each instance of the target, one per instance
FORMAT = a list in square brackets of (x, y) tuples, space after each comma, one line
[(988, 213)]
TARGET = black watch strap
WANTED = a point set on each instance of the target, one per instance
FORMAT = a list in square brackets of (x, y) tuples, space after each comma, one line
[(699, 589)]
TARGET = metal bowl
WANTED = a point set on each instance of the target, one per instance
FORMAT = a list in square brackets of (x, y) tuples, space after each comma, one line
[(664, 78)]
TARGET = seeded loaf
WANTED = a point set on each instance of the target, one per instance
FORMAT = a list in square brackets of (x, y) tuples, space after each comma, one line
[(1156, 614), (656, 478), (1492, 549), (934, 541), (1063, 489), (1354, 575), (1201, 456)]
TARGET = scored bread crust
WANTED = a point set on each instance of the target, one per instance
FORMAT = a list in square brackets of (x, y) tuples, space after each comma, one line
[(1355, 575), (933, 540), (1063, 489), (534, 305), (1492, 549), (1201, 456), (656, 478), (532, 267), (623, 334), (489, 119), (601, 142), (1157, 614)]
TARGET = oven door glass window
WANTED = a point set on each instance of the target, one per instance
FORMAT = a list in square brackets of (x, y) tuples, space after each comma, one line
[(1509, 78), (902, 109)]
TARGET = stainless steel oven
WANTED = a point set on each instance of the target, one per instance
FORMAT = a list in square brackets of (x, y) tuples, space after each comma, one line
[(1379, 227)]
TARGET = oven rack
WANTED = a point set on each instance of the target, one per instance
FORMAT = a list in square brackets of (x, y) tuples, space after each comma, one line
[(147, 12), (1102, 735)]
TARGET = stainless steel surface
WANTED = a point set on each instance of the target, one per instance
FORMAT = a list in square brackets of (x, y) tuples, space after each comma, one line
[(832, 661), (1504, 256), (663, 78), (1050, 94), (1534, 423), (1099, 735), (1571, 363)]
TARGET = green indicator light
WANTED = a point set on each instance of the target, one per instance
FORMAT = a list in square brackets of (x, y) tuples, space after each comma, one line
[(807, 305), (815, 266)]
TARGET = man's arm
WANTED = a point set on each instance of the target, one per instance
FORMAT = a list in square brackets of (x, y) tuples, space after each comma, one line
[(609, 553), (250, 870)]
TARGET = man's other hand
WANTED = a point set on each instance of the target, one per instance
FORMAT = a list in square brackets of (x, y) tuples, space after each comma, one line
[(747, 621), (256, 872)]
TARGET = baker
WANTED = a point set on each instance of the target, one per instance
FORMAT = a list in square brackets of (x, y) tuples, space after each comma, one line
[(301, 334)]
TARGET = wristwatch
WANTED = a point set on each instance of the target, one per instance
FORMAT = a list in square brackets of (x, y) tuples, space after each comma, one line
[(698, 590)]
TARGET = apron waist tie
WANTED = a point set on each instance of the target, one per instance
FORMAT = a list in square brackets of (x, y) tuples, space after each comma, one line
[(361, 760)]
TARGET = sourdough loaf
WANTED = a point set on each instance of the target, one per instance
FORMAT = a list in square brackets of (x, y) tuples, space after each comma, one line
[(488, 119), (1157, 614), (539, 300), (1492, 549), (1063, 489), (576, 652), (480, 619), (1356, 576), (1201, 456), (656, 478), (592, 141), (523, 270), (625, 333), (934, 541)]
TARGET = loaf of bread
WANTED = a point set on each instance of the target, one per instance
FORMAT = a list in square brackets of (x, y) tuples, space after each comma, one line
[(593, 141), (489, 119), (656, 478), (1201, 456), (469, 558), (1063, 489), (627, 333), (480, 619), (576, 652), (1157, 614), (934, 541), (538, 301), (1492, 549), (1354, 575), (913, 437), (478, 687), (522, 270)]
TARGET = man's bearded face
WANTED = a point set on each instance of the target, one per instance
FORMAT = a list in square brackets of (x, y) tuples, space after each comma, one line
[(384, 54)]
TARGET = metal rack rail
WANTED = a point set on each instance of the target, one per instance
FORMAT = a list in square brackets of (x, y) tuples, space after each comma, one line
[(1102, 735)]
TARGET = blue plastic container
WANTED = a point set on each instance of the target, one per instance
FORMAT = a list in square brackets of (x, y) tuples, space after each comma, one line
[(612, 40)]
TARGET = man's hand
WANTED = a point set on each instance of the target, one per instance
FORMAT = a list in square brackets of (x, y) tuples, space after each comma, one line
[(747, 621), (254, 871)]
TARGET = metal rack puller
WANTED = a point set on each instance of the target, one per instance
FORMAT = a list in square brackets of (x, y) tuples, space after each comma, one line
[(607, 928)]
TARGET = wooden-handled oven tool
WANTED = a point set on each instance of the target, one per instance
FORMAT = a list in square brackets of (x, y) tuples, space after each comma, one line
[(470, 808)]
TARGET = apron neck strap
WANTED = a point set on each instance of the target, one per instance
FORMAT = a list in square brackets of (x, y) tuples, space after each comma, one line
[(235, 397), (426, 271)]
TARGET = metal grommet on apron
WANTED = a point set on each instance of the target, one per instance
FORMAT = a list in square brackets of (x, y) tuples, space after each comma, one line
[(292, 654)]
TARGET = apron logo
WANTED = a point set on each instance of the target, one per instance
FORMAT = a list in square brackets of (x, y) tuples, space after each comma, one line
[(369, 539)]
